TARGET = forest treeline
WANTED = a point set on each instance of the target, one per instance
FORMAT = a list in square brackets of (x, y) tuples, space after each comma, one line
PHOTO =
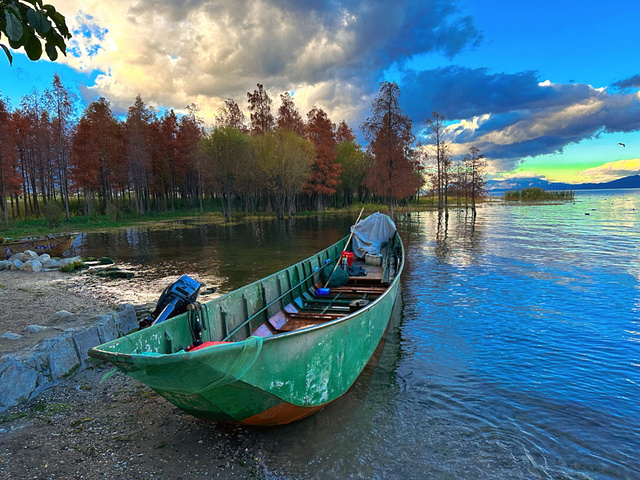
[(276, 161)]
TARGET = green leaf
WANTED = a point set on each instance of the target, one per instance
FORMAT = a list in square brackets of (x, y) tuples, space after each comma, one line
[(8, 53), (52, 53), (55, 39), (38, 21), (14, 26), (33, 48)]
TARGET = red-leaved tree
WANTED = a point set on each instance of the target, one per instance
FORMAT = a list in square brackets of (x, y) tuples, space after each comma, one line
[(395, 173), (325, 174)]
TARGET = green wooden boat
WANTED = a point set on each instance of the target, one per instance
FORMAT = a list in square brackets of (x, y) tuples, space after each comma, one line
[(275, 350)]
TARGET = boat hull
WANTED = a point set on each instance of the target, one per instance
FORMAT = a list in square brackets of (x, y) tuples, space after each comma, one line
[(256, 381), (53, 245)]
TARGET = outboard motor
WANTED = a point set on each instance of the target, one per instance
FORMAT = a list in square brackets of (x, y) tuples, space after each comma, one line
[(174, 300)]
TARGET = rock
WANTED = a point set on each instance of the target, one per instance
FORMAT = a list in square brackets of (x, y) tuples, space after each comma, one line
[(11, 336), (70, 264), (17, 380), (16, 264), (4, 264), (28, 255), (31, 266), (34, 328), (60, 314), (53, 359), (51, 263), (63, 358), (84, 340), (16, 256), (45, 257)]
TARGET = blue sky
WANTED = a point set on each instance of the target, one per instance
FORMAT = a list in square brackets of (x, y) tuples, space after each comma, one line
[(544, 89)]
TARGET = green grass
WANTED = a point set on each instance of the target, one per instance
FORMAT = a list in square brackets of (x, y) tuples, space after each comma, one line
[(38, 226)]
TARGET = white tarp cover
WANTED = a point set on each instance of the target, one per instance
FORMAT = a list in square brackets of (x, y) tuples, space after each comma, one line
[(370, 233)]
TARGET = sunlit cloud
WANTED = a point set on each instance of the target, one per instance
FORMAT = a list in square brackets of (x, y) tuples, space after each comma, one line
[(612, 170)]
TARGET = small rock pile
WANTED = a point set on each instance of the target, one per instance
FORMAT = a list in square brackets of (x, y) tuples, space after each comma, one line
[(30, 261)]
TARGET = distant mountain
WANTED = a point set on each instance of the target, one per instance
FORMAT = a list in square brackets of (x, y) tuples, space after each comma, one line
[(632, 181)]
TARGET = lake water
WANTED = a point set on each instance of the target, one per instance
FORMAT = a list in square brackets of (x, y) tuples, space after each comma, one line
[(515, 352)]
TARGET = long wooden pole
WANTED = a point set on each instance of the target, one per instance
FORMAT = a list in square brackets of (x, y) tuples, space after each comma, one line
[(345, 247)]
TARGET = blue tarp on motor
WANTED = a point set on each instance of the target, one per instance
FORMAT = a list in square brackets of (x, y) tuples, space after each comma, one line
[(371, 233)]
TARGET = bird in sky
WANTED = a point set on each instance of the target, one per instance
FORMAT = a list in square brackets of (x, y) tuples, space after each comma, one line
[(620, 143)]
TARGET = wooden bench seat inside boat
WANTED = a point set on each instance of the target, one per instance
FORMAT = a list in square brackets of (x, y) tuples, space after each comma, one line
[(310, 309)]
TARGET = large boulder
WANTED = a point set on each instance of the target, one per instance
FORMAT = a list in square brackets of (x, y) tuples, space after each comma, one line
[(31, 266)]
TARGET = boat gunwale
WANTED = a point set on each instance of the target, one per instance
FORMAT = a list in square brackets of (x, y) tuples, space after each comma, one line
[(128, 357)]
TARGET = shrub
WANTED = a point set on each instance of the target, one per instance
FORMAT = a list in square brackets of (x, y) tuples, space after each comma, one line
[(53, 214), (112, 211), (534, 194)]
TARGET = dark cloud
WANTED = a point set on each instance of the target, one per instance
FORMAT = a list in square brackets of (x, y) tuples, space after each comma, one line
[(458, 92), (631, 82), (517, 115)]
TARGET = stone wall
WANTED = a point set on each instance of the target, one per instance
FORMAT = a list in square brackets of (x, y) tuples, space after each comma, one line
[(24, 375)]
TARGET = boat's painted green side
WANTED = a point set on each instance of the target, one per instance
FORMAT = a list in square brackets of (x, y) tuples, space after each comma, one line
[(250, 379)]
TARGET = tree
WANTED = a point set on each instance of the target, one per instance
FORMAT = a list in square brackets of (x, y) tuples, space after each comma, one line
[(394, 172), (97, 163), (169, 164), (354, 166), (139, 116), (325, 175), (61, 104), (189, 134), (289, 117), (27, 23), (476, 165), (284, 160), (226, 152), (436, 128), (9, 177), (260, 108), (344, 133), (231, 116)]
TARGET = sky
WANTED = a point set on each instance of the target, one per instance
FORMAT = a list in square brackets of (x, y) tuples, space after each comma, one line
[(545, 89)]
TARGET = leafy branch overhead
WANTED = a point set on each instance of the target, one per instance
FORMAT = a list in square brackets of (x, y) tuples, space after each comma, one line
[(29, 24)]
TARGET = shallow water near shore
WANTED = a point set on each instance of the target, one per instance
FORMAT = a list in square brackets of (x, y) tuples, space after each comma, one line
[(515, 352)]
